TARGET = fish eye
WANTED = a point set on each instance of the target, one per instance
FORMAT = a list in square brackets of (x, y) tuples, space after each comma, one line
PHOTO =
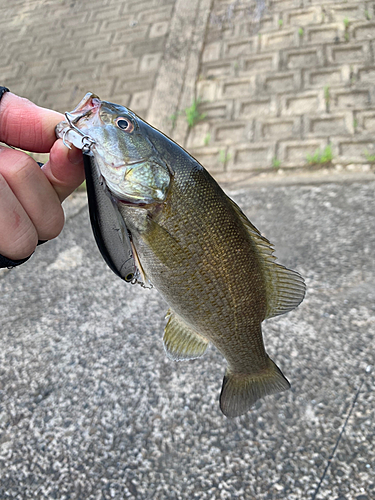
[(124, 124)]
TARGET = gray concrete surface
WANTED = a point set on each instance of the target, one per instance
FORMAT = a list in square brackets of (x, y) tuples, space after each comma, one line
[(90, 407)]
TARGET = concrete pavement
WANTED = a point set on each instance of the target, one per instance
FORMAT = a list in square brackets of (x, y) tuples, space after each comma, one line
[(90, 407)]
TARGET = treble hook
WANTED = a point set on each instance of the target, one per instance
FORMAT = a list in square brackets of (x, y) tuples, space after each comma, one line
[(87, 141)]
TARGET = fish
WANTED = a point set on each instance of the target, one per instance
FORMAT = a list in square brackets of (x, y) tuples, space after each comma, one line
[(194, 244)]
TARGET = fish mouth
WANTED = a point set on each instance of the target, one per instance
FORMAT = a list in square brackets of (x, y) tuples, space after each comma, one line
[(76, 128), (88, 105), (88, 111)]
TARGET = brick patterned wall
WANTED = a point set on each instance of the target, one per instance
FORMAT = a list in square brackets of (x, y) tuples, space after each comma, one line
[(274, 89), (54, 51), (301, 79)]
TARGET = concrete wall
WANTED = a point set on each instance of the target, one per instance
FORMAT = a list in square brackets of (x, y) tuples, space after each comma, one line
[(276, 83), (304, 79)]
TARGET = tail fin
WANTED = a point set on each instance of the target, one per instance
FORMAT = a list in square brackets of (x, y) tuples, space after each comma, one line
[(240, 391)]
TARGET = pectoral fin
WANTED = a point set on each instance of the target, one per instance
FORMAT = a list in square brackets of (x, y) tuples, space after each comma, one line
[(180, 341)]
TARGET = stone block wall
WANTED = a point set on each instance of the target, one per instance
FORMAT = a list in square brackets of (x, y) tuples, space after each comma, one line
[(277, 80), (276, 91), (53, 52)]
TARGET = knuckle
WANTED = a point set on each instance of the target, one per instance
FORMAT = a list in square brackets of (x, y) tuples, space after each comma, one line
[(23, 169), (18, 167), (52, 223), (13, 111), (22, 242), (27, 243), (3, 184), (18, 234)]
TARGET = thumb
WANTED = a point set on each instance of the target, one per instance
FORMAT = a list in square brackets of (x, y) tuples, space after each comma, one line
[(64, 169)]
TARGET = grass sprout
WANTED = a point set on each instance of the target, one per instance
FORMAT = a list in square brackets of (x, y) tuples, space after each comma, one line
[(192, 113), (321, 157), (224, 156), (369, 157), (276, 162)]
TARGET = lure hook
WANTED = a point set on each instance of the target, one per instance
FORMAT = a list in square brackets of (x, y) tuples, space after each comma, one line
[(63, 139), (87, 141)]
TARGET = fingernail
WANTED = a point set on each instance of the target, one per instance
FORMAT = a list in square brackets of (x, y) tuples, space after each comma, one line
[(75, 155)]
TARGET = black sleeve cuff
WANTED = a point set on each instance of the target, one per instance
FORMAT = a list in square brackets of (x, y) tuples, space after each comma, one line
[(2, 91), (5, 262)]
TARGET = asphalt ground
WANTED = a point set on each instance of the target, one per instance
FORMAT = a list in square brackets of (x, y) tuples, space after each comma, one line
[(91, 408)]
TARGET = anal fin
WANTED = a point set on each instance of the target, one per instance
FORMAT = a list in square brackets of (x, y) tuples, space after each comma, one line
[(285, 289), (181, 342)]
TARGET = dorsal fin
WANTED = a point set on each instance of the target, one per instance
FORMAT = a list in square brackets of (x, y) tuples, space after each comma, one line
[(180, 341), (285, 288)]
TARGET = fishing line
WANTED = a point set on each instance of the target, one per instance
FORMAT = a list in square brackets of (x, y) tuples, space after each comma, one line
[(368, 370)]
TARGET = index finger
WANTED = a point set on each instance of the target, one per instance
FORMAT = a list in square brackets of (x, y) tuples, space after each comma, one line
[(25, 125)]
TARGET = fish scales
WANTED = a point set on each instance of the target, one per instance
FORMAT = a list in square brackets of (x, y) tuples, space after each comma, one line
[(210, 282), (192, 242)]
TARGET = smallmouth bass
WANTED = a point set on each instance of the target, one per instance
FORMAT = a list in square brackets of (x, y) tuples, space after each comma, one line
[(193, 243)]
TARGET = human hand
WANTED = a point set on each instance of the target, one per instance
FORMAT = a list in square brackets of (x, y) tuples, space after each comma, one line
[(30, 196)]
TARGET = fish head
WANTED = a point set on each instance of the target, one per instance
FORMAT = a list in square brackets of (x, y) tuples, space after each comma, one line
[(133, 170)]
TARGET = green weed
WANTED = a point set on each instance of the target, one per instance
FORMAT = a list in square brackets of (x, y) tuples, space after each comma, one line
[(276, 162), (369, 157), (327, 97), (346, 25), (224, 157), (300, 32), (320, 157), (281, 22), (207, 139), (192, 113), (367, 15)]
